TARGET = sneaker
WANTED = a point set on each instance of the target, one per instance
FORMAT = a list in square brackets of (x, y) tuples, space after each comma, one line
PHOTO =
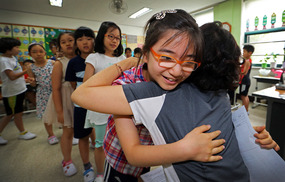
[(3, 141), (52, 140), (74, 141), (99, 178), (89, 175), (26, 136), (68, 168)]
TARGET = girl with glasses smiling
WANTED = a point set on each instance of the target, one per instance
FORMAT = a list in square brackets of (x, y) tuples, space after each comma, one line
[(108, 51), (172, 107)]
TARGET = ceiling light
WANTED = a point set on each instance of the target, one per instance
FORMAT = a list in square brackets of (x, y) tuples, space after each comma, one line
[(140, 12), (57, 3)]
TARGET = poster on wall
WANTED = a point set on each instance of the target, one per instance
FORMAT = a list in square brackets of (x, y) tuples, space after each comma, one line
[(140, 41), (5, 30), (124, 41), (37, 35), (22, 34), (132, 42)]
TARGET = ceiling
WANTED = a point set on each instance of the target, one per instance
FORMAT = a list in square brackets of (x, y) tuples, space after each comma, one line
[(98, 10)]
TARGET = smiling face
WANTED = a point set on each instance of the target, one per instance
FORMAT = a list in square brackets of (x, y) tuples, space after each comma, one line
[(67, 44), (169, 78), (37, 53), (111, 40), (85, 44)]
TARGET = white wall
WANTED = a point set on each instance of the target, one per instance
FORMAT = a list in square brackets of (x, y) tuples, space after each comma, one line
[(204, 16), (58, 22)]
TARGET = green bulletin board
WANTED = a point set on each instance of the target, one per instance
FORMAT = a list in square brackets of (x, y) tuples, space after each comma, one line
[(30, 34), (51, 33)]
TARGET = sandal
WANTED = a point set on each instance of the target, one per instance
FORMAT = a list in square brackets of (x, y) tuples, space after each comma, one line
[(52, 140)]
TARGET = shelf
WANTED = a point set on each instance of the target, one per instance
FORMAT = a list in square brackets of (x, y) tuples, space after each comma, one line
[(278, 29), (264, 42), (267, 55)]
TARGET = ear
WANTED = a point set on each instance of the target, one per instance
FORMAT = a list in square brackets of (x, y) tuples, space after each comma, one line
[(145, 57)]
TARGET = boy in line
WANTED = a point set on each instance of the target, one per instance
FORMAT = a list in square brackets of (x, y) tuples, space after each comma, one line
[(13, 87), (245, 75)]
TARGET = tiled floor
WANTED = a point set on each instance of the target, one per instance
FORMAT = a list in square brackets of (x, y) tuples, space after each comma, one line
[(36, 160)]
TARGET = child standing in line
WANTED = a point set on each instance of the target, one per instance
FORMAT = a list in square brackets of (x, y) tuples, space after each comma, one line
[(245, 75), (109, 50), (40, 77), (31, 91), (137, 52), (84, 41), (53, 47), (13, 87), (128, 52), (60, 97)]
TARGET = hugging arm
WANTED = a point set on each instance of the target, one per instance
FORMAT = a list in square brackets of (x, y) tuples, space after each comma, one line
[(264, 139), (97, 94), (196, 145)]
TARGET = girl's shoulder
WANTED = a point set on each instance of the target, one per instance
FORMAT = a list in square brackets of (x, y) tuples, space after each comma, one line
[(93, 57), (52, 61), (122, 57)]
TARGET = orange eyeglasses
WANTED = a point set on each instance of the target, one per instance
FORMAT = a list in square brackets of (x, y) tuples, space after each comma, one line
[(167, 61)]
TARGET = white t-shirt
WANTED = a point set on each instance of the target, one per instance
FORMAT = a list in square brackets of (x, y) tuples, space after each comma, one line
[(11, 87), (100, 62)]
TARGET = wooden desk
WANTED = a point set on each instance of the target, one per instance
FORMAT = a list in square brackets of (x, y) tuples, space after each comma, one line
[(264, 79), (275, 117)]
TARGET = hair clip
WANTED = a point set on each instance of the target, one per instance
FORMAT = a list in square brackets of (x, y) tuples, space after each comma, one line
[(161, 15)]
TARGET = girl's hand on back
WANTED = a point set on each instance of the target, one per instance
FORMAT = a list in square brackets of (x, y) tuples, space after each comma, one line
[(264, 139), (200, 146)]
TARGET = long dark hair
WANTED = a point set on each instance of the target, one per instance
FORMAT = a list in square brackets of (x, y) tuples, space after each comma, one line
[(220, 67), (99, 41), (80, 32)]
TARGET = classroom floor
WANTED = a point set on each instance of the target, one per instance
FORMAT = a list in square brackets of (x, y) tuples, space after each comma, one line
[(36, 160)]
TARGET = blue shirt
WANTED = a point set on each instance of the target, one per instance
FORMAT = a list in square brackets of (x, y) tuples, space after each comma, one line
[(170, 115), (75, 71)]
